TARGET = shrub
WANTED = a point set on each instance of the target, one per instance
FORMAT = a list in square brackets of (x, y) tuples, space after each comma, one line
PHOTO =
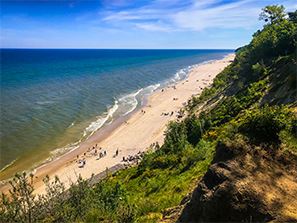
[(264, 125), (176, 137), (21, 205), (195, 128)]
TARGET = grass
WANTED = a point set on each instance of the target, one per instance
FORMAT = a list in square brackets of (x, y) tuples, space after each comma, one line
[(155, 190)]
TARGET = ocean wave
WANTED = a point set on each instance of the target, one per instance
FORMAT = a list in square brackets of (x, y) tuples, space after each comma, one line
[(94, 126), (45, 102), (152, 88), (179, 75), (130, 101), (72, 124), (56, 154), (8, 165)]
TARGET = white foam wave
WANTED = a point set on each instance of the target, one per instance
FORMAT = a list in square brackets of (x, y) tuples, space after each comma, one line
[(55, 154), (72, 124), (94, 126), (130, 100), (8, 165), (152, 88), (181, 74)]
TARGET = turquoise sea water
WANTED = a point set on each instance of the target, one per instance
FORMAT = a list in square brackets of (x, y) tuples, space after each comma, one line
[(52, 99)]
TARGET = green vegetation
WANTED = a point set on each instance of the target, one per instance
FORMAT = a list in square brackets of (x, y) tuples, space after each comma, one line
[(246, 100), (264, 125)]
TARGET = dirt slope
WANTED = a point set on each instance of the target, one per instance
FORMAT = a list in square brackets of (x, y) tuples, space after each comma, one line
[(245, 184)]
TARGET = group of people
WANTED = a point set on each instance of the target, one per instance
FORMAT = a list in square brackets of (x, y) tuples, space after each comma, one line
[(101, 154), (167, 113), (174, 87), (82, 163), (93, 151), (133, 159)]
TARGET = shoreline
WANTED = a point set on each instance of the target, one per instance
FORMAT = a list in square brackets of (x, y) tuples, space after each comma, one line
[(131, 133), (104, 130)]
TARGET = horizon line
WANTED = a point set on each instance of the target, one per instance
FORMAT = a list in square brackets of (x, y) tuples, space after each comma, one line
[(12, 48)]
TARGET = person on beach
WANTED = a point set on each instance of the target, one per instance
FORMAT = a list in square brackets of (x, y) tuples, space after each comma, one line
[(81, 163)]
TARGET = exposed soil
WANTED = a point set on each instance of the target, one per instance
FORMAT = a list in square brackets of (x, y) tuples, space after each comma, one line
[(245, 184)]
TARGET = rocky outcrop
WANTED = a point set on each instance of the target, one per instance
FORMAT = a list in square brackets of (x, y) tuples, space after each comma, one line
[(245, 184)]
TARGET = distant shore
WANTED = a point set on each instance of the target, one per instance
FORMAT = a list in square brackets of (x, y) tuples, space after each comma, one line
[(131, 134)]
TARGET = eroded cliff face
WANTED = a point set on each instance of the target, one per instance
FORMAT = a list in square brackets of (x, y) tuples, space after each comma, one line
[(246, 183)]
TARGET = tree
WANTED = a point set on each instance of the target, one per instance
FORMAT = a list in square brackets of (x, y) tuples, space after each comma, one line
[(21, 204), (293, 16), (273, 13)]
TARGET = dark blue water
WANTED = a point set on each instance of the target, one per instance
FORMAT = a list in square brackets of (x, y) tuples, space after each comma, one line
[(51, 99)]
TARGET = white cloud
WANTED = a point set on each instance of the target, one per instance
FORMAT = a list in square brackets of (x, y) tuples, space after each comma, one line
[(232, 15), (153, 27), (195, 15), (121, 16)]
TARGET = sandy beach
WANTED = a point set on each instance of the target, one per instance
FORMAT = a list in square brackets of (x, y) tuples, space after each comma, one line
[(137, 133)]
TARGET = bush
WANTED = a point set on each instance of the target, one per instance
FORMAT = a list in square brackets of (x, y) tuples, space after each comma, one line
[(176, 137), (195, 128), (21, 204), (265, 124)]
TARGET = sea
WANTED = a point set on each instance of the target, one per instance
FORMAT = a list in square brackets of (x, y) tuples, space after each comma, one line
[(53, 99)]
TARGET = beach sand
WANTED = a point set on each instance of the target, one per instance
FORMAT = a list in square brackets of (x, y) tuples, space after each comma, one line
[(135, 134)]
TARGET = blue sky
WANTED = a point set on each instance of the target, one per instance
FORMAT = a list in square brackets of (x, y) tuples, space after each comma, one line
[(183, 24)]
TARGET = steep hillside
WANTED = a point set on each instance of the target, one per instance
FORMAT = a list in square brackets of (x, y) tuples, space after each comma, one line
[(253, 176), (245, 183)]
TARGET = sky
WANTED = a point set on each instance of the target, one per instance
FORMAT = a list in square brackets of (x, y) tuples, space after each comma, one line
[(127, 24)]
